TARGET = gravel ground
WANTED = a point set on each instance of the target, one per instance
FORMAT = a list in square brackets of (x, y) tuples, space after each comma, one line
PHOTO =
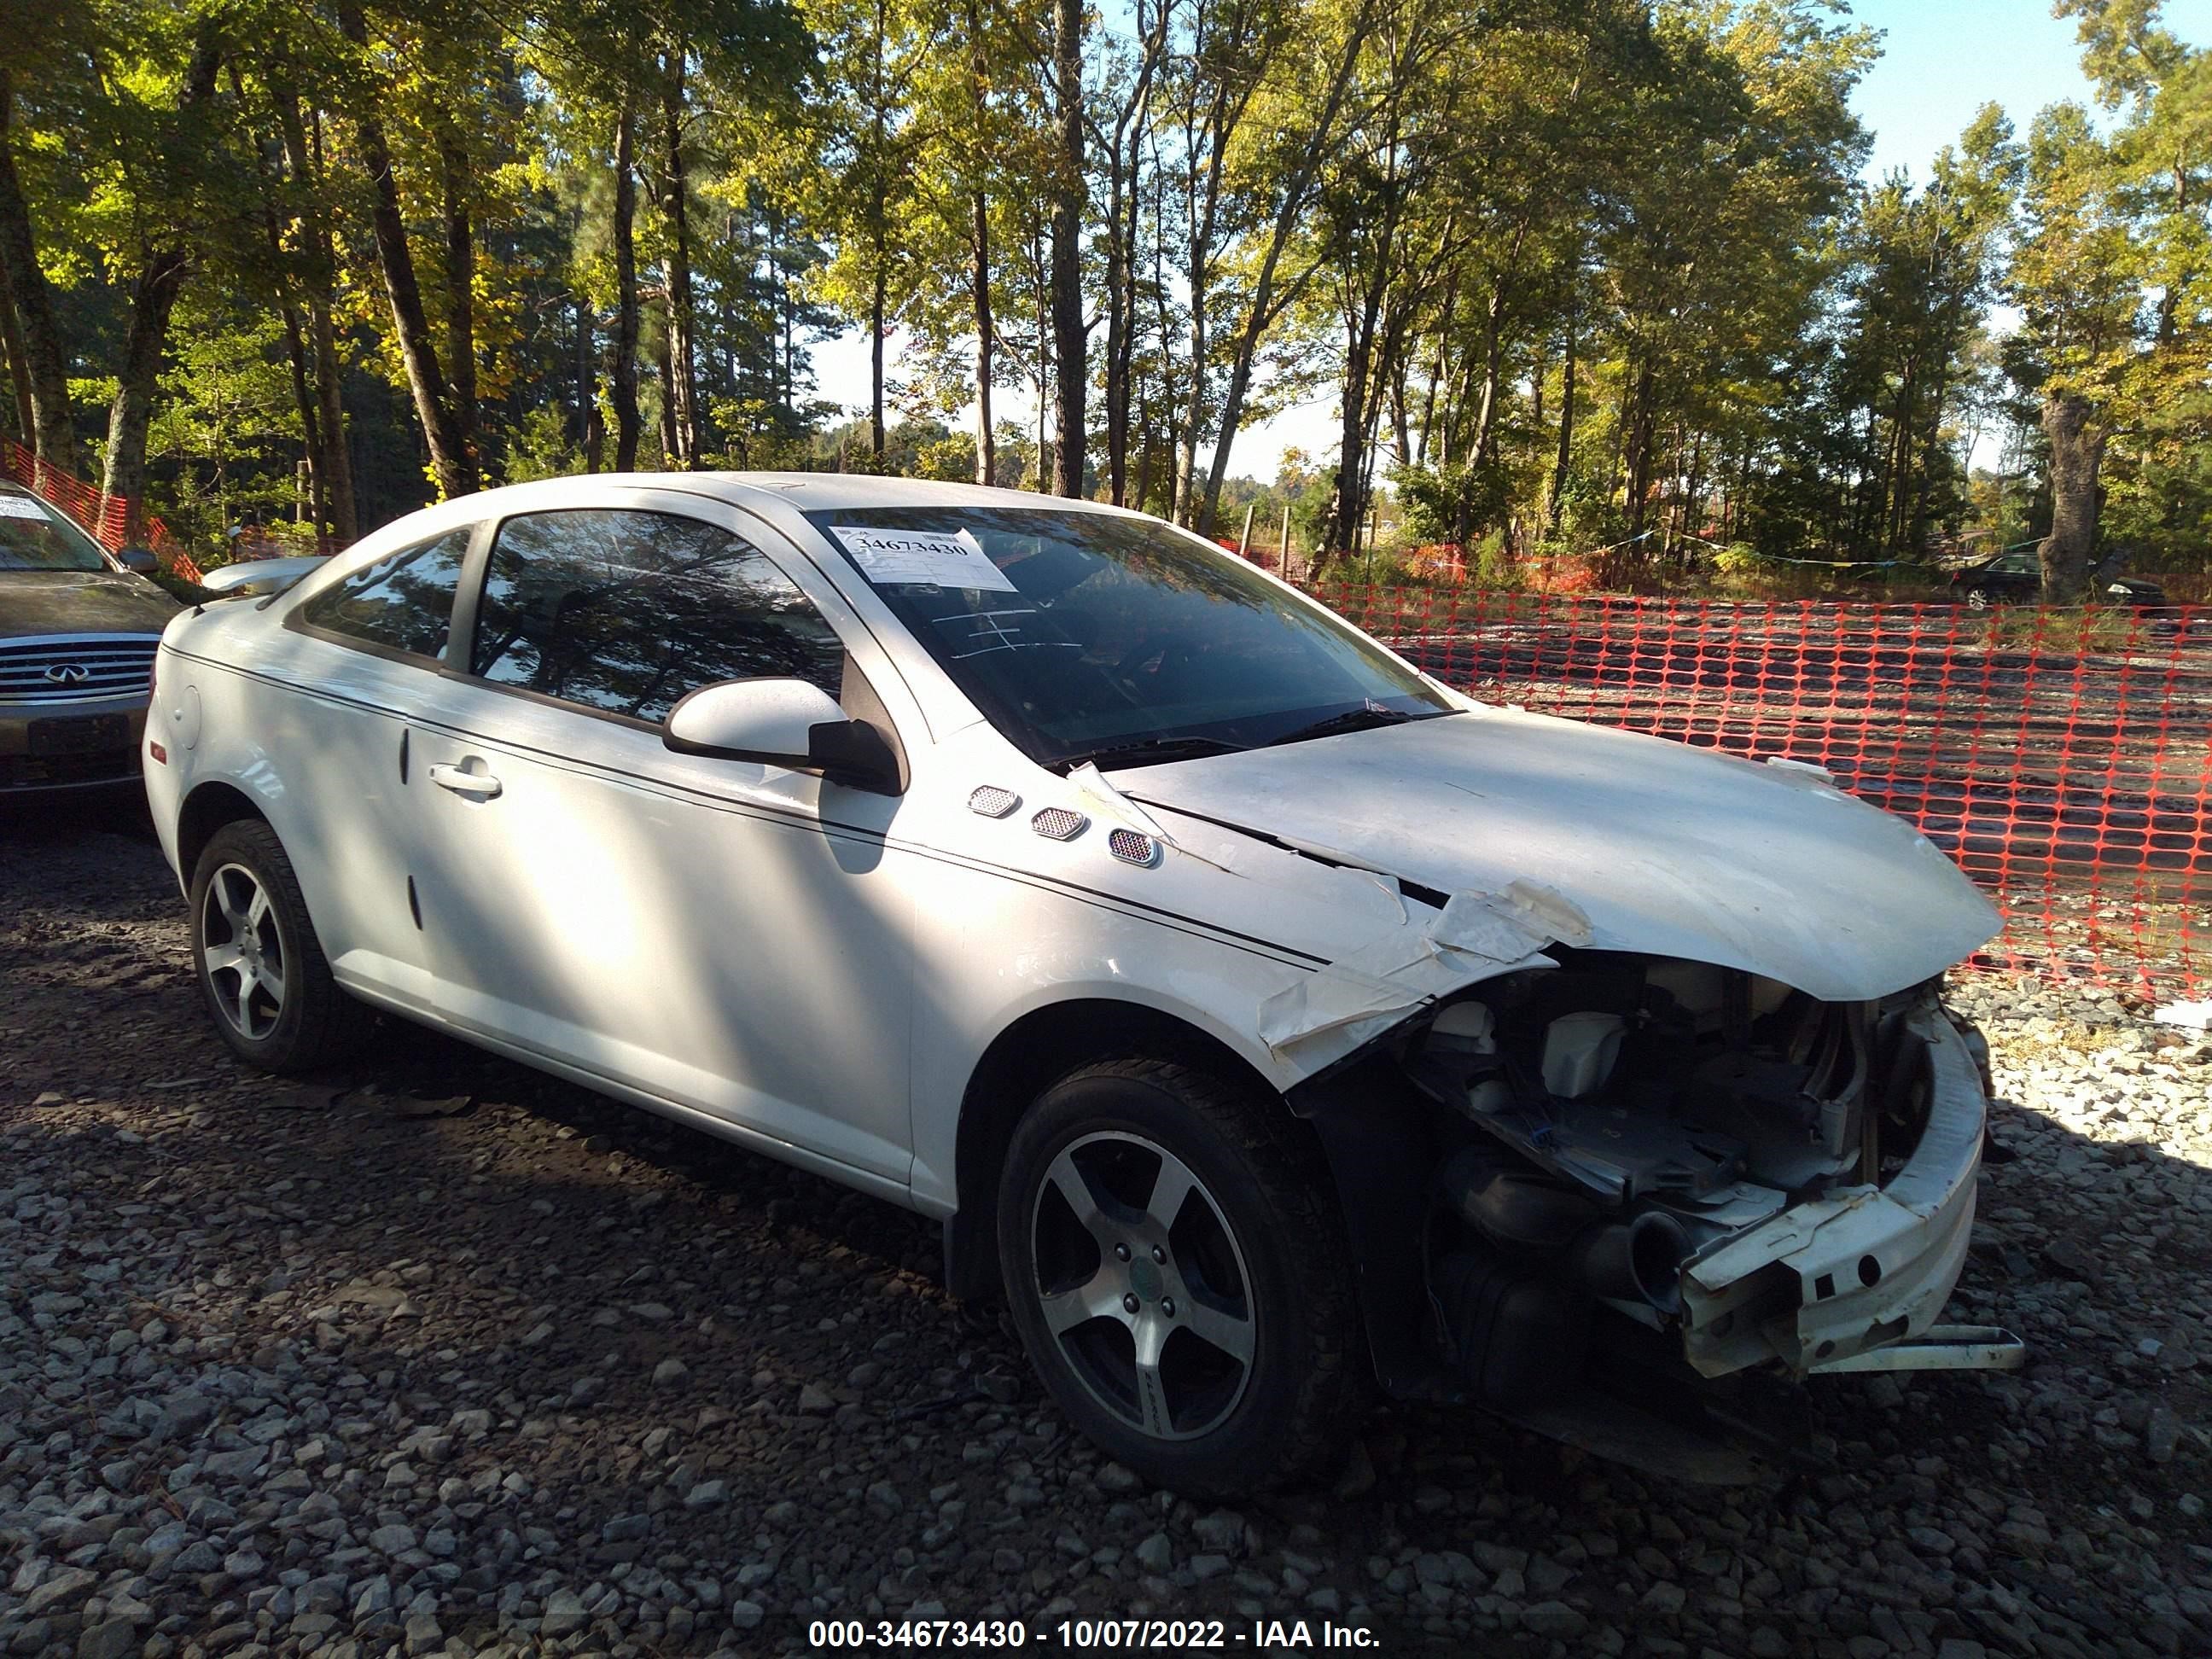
[(442, 1356)]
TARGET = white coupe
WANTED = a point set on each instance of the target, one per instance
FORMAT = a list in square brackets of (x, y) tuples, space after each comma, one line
[(1265, 1021)]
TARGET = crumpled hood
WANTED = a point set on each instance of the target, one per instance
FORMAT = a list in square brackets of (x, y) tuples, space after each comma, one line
[(1666, 849), (81, 602)]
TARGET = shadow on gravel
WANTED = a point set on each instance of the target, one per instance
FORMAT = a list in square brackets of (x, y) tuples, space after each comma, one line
[(50, 820), (693, 1358)]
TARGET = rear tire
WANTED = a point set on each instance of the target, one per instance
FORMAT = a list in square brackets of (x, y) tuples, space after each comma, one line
[(261, 969), (1176, 1270)]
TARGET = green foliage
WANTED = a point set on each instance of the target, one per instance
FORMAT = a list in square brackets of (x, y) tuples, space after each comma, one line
[(226, 425), (1434, 503), (542, 448), (951, 458), (1586, 278)]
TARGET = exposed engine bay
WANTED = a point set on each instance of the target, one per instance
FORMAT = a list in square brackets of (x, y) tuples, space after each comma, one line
[(1624, 1114), (1652, 1173)]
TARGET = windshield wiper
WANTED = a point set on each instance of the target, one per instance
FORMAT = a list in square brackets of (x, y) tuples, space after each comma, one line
[(1147, 751), (1355, 720)]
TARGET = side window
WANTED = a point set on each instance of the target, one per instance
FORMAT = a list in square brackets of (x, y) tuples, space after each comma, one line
[(402, 602), (625, 613)]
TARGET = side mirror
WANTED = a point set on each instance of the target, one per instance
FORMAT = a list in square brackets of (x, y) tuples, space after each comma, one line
[(783, 722), (139, 559)]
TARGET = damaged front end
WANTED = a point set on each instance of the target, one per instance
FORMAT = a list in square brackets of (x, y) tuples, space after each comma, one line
[(1610, 1186)]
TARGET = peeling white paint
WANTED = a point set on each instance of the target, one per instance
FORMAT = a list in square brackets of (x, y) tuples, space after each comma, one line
[(1476, 936)]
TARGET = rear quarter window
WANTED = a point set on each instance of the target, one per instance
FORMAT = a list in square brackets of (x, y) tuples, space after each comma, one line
[(401, 603)]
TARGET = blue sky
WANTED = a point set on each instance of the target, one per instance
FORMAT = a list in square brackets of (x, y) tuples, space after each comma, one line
[(1942, 60)]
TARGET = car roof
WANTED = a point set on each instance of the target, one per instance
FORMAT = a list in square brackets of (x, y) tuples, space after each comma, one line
[(804, 492), (800, 492), (817, 492)]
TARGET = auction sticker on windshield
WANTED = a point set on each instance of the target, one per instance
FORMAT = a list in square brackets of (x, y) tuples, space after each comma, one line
[(22, 506), (891, 557)]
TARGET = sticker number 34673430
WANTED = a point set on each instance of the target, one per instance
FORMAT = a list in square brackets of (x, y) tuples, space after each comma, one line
[(889, 557)]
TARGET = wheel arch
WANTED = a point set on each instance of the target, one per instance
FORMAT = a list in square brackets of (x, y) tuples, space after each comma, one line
[(210, 805), (1032, 1053)]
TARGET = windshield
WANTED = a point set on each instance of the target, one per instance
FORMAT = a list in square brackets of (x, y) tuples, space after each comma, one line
[(34, 537), (1091, 636)]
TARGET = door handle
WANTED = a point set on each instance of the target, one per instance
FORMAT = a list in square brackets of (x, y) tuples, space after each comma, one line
[(477, 786)]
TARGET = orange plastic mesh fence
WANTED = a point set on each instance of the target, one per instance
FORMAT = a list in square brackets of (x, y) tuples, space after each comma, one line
[(2063, 757), (103, 517)]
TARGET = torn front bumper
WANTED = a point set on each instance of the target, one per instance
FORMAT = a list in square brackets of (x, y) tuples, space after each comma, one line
[(1830, 1283)]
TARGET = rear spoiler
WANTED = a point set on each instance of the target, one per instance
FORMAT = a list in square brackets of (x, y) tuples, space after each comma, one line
[(261, 575)]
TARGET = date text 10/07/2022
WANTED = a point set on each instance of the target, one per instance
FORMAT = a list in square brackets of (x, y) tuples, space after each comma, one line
[(1070, 1635)]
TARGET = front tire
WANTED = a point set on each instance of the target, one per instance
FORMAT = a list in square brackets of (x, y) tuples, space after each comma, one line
[(1175, 1267), (261, 969)]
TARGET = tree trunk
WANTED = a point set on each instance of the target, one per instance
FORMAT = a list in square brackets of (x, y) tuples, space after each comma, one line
[(684, 385), (1186, 474), (333, 463), (1638, 455), (1341, 531), (1493, 358), (1485, 425), (19, 368), (588, 435), (979, 249), (1692, 521), (2077, 450), (1124, 173), (1039, 294), (1118, 321), (1266, 304), (624, 380), (1142, 489), (671, 451), (53, 428), (449, 451), (1070, 338), (1401, 418), (460, 287), (145, 334), (878, 305), (987, 439), (288, 306), (311, 423), (1565, 455)]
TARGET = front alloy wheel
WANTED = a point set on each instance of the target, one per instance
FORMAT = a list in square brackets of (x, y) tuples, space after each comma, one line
[(1142, 1285), (1174, 1262)]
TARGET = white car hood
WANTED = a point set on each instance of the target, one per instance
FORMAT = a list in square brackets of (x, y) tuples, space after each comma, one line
[(1665, 849)]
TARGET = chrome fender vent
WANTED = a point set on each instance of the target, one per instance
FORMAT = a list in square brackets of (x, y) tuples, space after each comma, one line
[(1058, 824), (1131, 847)]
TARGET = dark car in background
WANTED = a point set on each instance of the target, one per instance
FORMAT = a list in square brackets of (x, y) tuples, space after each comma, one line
[(2016, 578), (78, 630)]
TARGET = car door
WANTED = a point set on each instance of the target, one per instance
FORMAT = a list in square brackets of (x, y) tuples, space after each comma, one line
[(356, 667), (719, 933)]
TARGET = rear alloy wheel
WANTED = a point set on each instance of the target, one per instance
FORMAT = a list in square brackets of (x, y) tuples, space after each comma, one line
[(1177, 1275), (261, 969), (243, 952)]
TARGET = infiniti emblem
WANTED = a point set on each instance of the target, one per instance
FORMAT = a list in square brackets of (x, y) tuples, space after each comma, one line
[(68, 673)]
